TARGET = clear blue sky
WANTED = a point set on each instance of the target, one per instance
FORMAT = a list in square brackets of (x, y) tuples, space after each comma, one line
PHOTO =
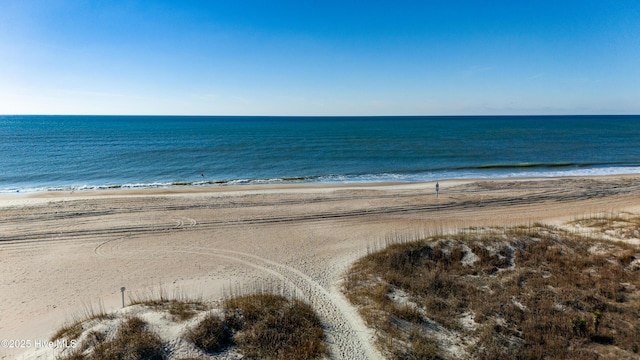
[(237, 57)]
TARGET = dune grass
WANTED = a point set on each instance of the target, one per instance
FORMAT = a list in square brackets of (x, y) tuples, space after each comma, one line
[(213, 334), (74, 329), (272, 326), (179, 306), (621, 226), (179, 310), (524, 292), (132, 341), (257, 326), (263, 326)]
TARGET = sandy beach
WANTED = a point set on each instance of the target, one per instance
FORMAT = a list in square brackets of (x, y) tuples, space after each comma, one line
[(61, 251)]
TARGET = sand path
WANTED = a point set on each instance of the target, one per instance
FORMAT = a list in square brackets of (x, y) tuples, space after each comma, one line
[(60, 252)]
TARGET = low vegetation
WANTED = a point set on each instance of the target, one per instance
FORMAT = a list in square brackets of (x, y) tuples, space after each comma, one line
[(526, 292), (74, 329), (271, 326), (132, 341), (622, 226), (179, 310), (261, 326), (179, 306), (213, 334)]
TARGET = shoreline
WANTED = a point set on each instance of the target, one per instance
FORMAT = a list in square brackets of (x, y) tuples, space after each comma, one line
[(30, 197), (62, 251), (332, 180)]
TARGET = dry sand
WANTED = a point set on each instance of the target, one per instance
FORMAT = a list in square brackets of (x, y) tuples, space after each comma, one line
[(60, 252)]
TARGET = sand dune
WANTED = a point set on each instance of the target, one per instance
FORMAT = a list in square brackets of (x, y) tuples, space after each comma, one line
[(61, 251)]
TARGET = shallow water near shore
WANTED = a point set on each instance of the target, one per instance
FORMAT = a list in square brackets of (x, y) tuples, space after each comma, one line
[(40, 153)]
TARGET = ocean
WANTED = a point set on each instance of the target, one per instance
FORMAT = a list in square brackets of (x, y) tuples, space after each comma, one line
[(55, 153)]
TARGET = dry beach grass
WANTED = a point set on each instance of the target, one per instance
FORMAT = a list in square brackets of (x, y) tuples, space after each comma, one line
[(527, 292), (59, 251), (261, 326)]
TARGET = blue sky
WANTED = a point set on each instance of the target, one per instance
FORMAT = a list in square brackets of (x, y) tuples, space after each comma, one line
[(319, 57)]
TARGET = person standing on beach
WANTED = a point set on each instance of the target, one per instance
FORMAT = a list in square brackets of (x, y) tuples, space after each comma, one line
[(437, 189)]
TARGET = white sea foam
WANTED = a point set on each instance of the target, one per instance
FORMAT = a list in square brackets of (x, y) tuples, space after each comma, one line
[(97, 153), (351, 179)]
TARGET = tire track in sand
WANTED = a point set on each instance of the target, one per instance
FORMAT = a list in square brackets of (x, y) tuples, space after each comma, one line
[(347, 336), (531, 192)]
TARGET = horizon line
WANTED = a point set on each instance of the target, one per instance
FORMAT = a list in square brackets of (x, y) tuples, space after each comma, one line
[(330, 116)]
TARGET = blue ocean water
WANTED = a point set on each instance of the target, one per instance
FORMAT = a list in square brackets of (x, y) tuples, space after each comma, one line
[(83, 152)]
